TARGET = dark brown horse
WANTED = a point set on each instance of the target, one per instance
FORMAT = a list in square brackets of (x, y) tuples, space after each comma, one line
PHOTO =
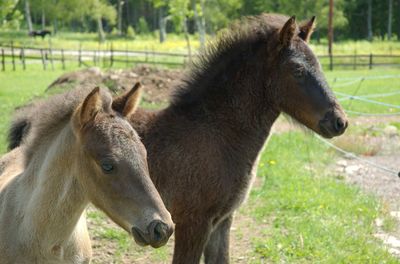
[(203, 149)]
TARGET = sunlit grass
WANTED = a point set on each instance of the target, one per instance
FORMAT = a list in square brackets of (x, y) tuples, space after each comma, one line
[(177, 43), (313, 216)]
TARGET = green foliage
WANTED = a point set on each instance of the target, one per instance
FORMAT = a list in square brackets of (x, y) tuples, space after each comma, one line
[(9, 17), (219, 13), (143, 27), (130, 32), (179, 11)]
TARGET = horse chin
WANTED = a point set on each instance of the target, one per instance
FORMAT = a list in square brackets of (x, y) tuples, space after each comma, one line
[(322, 131), (138, 237)]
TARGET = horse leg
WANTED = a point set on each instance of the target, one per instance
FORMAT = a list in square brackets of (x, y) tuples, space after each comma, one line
[(190, 240), (217, 247)]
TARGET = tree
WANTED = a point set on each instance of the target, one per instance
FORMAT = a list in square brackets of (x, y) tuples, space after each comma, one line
[(180, 12), (199, 16), (161, 7), (389, 27), (369, 20), (28, 17), (101, 10), (119, 10), (9, 16)]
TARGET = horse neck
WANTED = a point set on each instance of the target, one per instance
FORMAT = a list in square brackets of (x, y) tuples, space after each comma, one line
[(52, 198), (243, 103)]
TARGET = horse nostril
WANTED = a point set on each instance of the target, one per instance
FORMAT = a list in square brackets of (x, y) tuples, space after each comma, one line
[(158, 231), (339, 125)]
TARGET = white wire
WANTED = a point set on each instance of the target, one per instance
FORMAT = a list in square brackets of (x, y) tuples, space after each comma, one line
[(334, 85), (373, 77), (351, 154), (371, 114), (378, 95), (368, 100)]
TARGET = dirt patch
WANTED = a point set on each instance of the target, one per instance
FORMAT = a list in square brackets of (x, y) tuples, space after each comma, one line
[(158, 83), (111, 244)]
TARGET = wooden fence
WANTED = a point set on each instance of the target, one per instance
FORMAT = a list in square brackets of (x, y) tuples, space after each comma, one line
[(13, 56)]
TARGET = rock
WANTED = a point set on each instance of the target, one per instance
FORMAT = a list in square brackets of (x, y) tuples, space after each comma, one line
[(352, 169), (341, 163), (378, 222), (395, 214), (391, 130)]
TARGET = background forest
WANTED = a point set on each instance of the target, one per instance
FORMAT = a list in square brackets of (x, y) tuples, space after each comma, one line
[(353, 19)]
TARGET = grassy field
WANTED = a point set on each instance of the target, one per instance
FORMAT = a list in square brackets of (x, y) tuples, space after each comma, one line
[(175, 43), (300, 210)]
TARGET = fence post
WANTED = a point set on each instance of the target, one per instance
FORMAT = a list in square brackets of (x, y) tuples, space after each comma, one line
[(94, 58), (62, 59), (370, 61), (80, 56), (111, 55), (43, 59), (22, 57), (104, 56), (51, 58), (3, 60), (126, 56), (12, 55), (355, 61), (331, 62)]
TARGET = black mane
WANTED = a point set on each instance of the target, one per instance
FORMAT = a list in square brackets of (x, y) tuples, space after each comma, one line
[(211, 74)]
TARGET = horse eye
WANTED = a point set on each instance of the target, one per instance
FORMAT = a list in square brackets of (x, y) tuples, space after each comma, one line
[(107, 167), (298, 72)]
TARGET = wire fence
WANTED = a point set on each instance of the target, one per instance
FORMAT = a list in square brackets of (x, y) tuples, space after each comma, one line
[(365, 98), (390, 171), (19, 57)]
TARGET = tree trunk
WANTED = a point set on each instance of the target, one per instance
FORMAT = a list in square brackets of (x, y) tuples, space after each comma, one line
[(100, 29), (389, 33), (330, 27), (119, 7), (55, 26), (28, 16), (162, 21), (369, 20), (200, 23), (43, 19), (186, 33)]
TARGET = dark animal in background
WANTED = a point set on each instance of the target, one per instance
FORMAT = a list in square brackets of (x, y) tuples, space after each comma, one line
[(203, 149), (40, 33)]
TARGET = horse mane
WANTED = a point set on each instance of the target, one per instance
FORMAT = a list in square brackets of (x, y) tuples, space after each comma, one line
[(223, 58), (45, 117)]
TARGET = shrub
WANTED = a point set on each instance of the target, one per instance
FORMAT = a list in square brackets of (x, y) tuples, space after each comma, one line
[(130, 32)]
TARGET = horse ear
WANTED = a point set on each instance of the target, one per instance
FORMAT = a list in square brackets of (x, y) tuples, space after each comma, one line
[(90, 106), (287, 32), (127, 103), (306, 29)]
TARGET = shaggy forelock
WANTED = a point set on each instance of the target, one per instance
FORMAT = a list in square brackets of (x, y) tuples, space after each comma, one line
[(49, 115), (242, 37)]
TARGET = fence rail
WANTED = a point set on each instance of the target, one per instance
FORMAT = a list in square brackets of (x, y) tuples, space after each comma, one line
[(23, 56)]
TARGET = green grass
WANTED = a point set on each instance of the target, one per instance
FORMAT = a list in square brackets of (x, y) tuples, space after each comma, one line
[(176, 43), (349, 82), (89, 41), (314, 217), (16, 88)]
